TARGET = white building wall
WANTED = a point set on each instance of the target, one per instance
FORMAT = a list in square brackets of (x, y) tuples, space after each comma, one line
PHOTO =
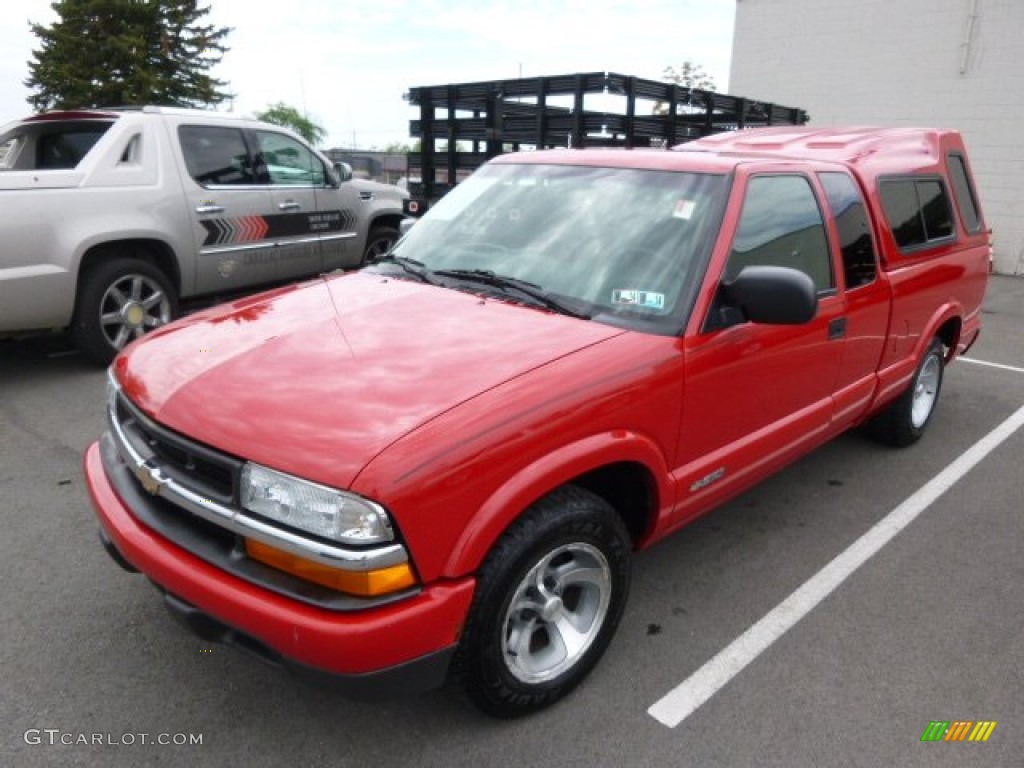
[(902, 62)]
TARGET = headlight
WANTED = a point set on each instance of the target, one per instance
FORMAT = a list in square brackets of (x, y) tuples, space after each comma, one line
[(314, 508)]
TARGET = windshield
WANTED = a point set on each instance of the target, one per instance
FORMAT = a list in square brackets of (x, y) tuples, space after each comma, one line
[(621, 246)]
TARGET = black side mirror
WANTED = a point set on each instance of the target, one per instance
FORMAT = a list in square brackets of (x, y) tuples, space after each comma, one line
[(772, 295)]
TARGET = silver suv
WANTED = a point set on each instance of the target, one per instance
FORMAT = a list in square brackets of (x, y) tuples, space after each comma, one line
[(112, 216)]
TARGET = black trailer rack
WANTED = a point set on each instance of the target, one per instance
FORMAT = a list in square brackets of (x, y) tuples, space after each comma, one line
[(462, 125)]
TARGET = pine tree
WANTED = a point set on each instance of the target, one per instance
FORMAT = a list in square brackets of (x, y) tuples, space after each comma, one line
[(109, 53)]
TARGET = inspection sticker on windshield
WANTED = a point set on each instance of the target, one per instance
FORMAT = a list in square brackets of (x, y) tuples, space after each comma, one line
[(684, 209), (646, 299)]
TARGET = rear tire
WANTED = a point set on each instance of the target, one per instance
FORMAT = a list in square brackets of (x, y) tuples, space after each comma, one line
[(118, 301), (903, 422), (549, 598)]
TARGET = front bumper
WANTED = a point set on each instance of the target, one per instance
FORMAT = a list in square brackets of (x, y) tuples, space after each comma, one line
[(400, 647)]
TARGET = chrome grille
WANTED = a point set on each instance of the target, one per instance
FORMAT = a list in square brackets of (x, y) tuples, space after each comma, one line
[(196, 466)]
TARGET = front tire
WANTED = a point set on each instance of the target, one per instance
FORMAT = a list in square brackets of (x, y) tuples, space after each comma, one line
[(118, 301), (903, 422), (379, 243), (549, 599)]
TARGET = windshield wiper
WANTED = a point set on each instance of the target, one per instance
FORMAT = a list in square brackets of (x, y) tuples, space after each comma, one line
[(413, 267), (525, 287)]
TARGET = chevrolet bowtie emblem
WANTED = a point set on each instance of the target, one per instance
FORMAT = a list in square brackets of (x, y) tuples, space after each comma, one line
[(149, 478)]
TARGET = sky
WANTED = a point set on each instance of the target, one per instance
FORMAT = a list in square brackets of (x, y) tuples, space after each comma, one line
[(347, 63)]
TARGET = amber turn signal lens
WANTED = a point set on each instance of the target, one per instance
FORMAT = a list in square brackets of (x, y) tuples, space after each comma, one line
[(363, 583)]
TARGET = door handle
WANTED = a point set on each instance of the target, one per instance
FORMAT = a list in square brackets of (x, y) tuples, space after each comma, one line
[(837, 329), (288, 205), (367, 196), (210, 209)]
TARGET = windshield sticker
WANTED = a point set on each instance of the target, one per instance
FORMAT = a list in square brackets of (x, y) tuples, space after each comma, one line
[(646, 299), (684, 209)]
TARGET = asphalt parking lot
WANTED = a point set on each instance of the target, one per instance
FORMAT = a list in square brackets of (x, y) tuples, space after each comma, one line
[(929, 628)]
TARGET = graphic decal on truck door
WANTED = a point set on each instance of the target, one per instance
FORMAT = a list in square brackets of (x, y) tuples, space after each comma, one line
[(248, 229), (244, 229)]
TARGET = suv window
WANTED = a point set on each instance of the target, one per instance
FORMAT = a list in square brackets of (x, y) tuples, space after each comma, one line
[(781, 225), (288, 162), (67, 148), (964, 193), (918, 211), (216, 155), (9, 147), (850, 214), (50, 145)]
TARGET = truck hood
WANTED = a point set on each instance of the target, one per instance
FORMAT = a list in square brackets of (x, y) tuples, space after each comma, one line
[(318, 379)]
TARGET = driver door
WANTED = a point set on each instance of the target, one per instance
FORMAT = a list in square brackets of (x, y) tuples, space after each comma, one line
[(758, 394)]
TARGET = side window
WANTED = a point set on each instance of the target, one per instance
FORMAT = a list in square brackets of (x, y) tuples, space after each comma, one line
[(848, 209), (938, 217), (918, 211), (9, 148), (781, 225), (963, 191), (50, 145), (216, 155), (64, 149), (288, 162)]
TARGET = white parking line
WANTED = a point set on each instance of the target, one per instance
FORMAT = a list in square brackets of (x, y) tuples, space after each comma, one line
[(991, 365), (683, 700)]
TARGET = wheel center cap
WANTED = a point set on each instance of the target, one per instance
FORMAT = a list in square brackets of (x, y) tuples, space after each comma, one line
[(552, 609), (133, 314)]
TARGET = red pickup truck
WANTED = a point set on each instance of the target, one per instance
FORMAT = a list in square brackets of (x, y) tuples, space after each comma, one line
[(440, 465)]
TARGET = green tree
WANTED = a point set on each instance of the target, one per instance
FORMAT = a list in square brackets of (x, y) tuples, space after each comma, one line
[(288, 116), (109, 53), (691, 75), (688, 75)]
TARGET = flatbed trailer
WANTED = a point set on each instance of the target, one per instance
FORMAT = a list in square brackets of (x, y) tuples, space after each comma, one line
[(462, 125)]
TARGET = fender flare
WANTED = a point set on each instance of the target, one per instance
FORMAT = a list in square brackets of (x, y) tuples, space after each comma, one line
[(951, 310), (540, 477)]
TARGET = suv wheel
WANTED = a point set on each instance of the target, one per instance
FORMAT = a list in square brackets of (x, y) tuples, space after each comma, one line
[(118, 301), (379, 242)]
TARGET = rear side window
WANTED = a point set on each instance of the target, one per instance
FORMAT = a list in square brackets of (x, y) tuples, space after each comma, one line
[(848, 209), (963, 191), (216, 155), (918, 211), (50, 145), (9, 146)]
